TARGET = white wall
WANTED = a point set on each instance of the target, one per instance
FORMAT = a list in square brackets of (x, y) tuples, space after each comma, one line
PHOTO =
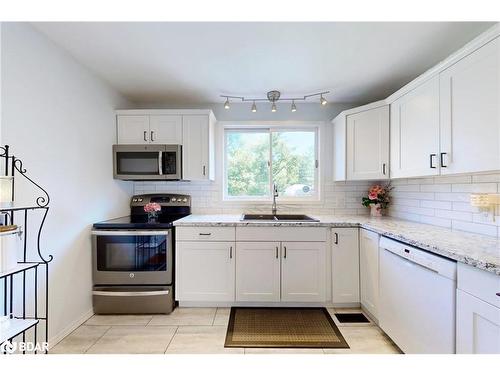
[(445, 201), (58, 118)]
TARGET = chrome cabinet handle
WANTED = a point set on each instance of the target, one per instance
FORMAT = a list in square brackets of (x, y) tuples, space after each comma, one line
[(230, 252), (145, 139), (383, 169), (441, 157), (431, 161), (204, 171), (336, 238), (285, 253), (498, 294), (160, 163), (205, 234), (152, 136), (277, 250)]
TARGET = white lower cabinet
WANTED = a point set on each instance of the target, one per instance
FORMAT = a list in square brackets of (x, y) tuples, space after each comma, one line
[(369, 270), (478, 311), (205, 271), (478, 325), (345, 266), (258, 271), (303, 271)]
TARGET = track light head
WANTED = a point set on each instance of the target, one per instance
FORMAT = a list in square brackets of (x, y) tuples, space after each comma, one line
[(273, 107), (254, 107), (322, 100), (294, 107), (226, 103)]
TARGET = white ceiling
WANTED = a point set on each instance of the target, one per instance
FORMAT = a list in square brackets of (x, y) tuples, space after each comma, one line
[(187, 63)]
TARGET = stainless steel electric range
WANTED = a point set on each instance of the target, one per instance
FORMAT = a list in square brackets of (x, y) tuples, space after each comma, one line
[(133, 257)]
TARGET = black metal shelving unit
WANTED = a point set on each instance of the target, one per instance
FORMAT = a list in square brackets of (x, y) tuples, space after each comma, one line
[(22, 322)]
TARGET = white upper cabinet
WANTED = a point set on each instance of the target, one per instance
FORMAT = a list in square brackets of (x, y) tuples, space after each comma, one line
[(132, 129), (415, 132), (470, 122), (165, 129), (193, 129), (361, 143), (198, 149), (368, 144)]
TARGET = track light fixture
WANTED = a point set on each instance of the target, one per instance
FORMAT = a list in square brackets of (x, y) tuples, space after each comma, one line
[(274, 96), (322, 100)]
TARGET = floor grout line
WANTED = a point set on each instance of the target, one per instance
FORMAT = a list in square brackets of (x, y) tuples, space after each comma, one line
[(96, 341), (213, 320), (171, 339)]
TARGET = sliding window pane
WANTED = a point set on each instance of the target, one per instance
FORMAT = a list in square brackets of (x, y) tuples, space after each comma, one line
[(294, 161), (247, 155)]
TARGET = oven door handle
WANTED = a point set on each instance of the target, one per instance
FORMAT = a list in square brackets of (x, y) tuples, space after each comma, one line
[(160, 163), (130, 233), (131, 294)]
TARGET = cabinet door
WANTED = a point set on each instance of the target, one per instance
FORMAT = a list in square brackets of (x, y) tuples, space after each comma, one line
[(345, 265), (478, 325), (470, 121), (339, 150), (195, 147), (205, 271), (133, 129), (368, 261), (415, 132), (165, 130), (258, 271), (303, 271), (368, 144)]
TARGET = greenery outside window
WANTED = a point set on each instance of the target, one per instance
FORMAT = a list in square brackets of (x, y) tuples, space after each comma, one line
[(257, 158)]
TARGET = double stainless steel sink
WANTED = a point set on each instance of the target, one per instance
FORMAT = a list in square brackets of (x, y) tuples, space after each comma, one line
[(277, 217)]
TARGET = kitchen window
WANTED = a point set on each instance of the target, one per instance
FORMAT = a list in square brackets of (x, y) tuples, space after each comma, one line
[(257, 158)]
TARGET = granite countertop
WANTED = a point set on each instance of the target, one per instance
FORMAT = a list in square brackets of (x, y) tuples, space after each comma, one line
[(476, 250)]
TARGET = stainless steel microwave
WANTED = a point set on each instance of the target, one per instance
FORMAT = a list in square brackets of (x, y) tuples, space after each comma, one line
[(147, 162)]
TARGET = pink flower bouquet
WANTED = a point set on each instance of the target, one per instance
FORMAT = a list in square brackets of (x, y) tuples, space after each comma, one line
[(378, 196), (152, 209)]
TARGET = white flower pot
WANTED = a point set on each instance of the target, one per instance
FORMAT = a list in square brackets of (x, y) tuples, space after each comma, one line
[(375, 210)]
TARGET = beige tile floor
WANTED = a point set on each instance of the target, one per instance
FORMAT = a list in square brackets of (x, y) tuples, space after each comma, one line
[(197, 331)]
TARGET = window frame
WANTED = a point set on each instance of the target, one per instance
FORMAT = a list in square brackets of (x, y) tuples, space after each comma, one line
[(271, 127)]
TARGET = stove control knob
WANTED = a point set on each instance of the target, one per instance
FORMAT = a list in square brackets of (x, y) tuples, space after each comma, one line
[(132, 275), (185, 200), (140, 199), (174, 199), (134, 200)]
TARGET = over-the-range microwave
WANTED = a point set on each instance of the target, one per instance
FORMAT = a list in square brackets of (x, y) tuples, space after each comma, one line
[(147, 162)]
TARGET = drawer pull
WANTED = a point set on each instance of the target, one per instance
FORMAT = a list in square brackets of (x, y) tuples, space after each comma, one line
[(336, 238), (205, 234), (230, 252), (285, 253), (277, 250)]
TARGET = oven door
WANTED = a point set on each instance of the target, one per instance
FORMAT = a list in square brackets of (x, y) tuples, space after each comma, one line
[(129, 257), (138, 162)]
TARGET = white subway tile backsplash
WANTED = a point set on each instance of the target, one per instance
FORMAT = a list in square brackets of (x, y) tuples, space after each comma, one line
[(489, 187), (447, 203)]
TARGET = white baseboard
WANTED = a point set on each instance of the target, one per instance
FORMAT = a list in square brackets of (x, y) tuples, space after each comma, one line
[(70, 328)]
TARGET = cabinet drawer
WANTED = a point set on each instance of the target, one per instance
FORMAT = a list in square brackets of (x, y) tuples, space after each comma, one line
[(204, 233), (310, 234), (482, 284)]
